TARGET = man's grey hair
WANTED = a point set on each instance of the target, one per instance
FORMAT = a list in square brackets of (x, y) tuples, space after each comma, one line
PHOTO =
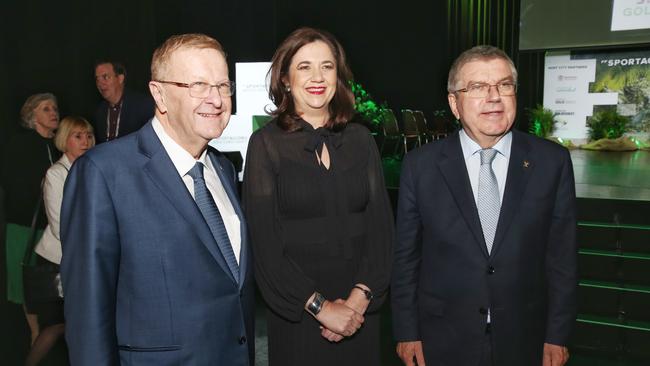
[(482, 52)]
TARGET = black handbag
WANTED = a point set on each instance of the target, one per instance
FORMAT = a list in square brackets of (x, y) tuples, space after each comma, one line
[(41, 281)]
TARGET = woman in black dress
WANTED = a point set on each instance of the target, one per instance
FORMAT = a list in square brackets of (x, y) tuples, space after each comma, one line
[(318, 212)]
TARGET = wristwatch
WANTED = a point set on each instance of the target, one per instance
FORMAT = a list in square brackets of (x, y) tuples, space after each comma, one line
[(368, 293), (316, 305)]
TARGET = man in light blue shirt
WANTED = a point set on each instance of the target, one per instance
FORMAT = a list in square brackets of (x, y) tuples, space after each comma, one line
[(485, 258)]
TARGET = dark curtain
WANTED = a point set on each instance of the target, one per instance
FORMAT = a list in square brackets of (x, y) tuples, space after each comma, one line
[(399, 53)]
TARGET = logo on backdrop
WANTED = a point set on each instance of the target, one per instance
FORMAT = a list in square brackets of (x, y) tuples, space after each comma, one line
[(630, 15), (575, 86)]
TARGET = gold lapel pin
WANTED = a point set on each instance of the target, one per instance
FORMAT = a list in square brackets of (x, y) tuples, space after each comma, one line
[(526, 163)]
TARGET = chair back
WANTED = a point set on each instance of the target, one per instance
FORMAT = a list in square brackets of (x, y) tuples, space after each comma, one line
[(440, 127), (389, 123), (410, 125), (420, 122)]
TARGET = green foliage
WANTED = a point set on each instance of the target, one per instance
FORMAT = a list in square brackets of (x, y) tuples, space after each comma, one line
[(440, 113), (607, 124), (542, 121), (632, 83), (444, 114), (366, 106)]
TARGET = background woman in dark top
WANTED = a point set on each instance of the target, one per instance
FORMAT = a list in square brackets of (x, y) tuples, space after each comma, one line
[(318, 212), (27, 156)]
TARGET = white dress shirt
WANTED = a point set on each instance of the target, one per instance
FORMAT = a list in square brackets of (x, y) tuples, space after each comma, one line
[(49, 247), (471, 153), (183, 162)]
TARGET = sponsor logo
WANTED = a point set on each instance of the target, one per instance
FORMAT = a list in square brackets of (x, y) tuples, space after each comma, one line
[(566, 77), (253, 87), (564, 101)]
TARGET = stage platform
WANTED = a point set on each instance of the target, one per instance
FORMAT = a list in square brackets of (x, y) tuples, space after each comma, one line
[(612, 175)]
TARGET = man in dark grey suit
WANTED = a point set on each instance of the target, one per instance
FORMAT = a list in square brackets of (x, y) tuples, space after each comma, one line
[(485, 259), (156, 262)]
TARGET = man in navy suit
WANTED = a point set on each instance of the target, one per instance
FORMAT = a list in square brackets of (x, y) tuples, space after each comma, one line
[(146, 276), (485, 259), (122, 111)]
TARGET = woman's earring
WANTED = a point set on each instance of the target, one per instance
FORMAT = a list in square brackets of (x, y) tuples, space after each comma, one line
[(287, 88)]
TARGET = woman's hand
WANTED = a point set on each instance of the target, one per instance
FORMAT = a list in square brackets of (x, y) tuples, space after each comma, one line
[(328, 334), (339, 318), (357, 299)]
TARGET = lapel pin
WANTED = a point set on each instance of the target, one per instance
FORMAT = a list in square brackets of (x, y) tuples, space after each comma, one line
[(526, 163)]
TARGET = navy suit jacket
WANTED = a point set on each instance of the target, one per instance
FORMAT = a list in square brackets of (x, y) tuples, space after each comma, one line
[(444, 280), (144, 280), (136, 110)]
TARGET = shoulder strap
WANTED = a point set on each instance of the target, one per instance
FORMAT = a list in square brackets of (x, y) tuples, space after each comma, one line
[(31, 242), (64, 167)]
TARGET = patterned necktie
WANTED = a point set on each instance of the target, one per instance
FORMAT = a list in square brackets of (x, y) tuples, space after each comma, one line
[(213, 218), (489, 202)]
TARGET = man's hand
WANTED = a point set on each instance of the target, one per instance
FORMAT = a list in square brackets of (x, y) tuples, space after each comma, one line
[(408, 350), (554, 355)]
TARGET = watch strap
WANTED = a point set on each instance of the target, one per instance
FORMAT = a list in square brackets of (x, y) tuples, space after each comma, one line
[(368, 293)]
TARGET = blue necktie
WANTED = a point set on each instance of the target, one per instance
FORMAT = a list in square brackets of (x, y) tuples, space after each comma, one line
[(489, 202), (213, 218)]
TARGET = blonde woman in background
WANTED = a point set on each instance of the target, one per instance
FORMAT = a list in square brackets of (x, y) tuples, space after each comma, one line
[(73, 138)]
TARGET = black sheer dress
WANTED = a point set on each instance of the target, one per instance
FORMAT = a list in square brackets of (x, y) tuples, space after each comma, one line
[(315, 229)]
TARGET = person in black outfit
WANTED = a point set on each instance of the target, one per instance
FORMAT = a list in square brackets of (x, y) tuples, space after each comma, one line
[(318, 212), (122, 111), (27, 156)]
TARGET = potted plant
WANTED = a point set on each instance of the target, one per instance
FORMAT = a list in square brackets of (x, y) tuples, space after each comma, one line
[(370, 111), (606, 130), (542, 121), (607, 124)]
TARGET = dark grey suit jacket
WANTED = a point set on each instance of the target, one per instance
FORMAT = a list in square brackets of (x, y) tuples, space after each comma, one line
[(137, 109), (444, 280)]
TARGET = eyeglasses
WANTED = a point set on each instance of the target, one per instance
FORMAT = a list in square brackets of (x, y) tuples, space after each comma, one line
[(482, 90), (200, 89), (104, 77)]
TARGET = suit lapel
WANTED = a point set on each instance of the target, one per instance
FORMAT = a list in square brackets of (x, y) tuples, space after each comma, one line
[(228, 182), (453, 169), (163, 174), (519, 171)]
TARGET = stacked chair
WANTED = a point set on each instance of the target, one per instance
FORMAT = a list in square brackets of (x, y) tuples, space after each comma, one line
[(412, 135), (393, 139), (396, 142)]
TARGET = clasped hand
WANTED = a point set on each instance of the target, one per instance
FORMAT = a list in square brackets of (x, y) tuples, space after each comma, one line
[(339, 320)]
